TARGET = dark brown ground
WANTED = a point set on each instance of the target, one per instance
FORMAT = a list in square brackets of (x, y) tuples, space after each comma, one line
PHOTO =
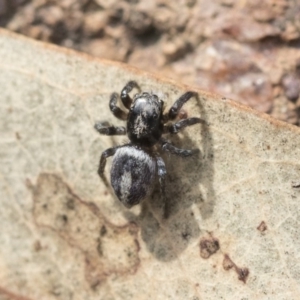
[(248, 50)]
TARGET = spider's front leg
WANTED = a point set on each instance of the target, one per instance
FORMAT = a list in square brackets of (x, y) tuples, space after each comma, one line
[(106, 129), (175, 108), (126, 99), (116, 110)]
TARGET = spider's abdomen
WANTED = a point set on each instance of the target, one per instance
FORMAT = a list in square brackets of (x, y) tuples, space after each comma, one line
[(132, 175)]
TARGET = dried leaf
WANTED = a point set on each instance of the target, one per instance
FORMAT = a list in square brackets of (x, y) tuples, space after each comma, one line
[(64, 236)]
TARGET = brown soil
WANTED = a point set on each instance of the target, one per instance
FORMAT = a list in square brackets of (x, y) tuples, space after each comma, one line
[(246, 50)]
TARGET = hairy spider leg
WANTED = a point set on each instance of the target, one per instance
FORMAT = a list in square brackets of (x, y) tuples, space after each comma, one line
[(175, 108), (117, 111), (176, 127), (107, 153), (162, 172), (168, 147), (106, 129), (126, 99)]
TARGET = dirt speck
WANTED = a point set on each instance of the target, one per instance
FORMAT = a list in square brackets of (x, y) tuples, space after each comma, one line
[(228, 264), (208, 247), (262, 227)]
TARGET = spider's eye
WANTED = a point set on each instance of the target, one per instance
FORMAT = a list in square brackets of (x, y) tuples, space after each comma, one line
[(155, 115)]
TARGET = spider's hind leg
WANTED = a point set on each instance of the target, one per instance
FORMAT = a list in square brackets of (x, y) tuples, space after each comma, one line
[(162, 172), (107, 153)]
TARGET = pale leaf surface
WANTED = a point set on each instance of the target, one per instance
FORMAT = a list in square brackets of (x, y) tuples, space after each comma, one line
[(233, 229)]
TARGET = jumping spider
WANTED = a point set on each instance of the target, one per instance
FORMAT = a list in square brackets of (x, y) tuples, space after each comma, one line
[(135, 164)]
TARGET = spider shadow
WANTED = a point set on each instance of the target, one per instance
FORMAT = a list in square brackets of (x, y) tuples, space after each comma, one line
[(188, 185)]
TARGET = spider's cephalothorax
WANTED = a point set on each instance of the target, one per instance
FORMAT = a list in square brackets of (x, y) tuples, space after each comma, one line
[(144, 122), (135, 165)]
